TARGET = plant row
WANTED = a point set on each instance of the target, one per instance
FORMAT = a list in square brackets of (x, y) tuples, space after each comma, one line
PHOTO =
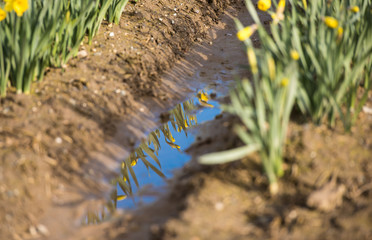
[(315, 57), (35, 34)]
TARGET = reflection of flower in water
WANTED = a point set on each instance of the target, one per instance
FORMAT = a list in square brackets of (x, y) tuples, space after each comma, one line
[(121, 197), (173, 145), (203, 99), (180, 119)]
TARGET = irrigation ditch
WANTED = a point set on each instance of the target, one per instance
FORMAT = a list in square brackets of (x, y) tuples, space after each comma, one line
[(62, 145)]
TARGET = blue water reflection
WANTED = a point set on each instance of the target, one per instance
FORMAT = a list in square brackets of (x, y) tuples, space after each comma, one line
[(169, 155)]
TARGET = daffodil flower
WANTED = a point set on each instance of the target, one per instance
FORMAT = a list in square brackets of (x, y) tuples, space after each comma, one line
[(281, 6), (340, 31), (305, 4), (294, 55), (19, 6), (271, 63), (331, 22), (264, 5), (284, 82), (2, 14), (246, 32), (121, 197), (252, 60), (202, 96), (354, 9)]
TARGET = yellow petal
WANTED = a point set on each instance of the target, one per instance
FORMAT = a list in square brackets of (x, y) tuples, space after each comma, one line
[(331, 22), (281, 4), (203, 97), (9, 6), (2, 14), (284, 82), (246, 32), (340, 31), (295, 55), (121, 197), (354, 9), (271, 63), (264, 5), (252, 60), (20, 6), (305, 4)]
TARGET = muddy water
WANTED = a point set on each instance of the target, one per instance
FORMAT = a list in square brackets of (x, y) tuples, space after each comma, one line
[(144, 174), (156, 159)]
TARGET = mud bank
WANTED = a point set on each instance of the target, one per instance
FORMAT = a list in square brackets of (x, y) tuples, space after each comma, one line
[(101, 104)]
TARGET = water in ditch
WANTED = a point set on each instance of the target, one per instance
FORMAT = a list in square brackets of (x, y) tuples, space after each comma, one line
[(144, 173)]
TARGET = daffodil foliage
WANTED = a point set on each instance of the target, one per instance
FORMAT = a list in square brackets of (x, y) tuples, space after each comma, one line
[(35, 34), (316, 55)]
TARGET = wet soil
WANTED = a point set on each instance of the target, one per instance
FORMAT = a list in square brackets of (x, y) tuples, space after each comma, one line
[(59, 144)]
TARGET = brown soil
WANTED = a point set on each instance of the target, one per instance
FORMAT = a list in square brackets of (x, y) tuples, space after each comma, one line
[(59, 144)]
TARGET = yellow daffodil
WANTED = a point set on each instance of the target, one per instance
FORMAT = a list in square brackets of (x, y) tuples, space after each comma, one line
[(331, 22), (2, 14), (121, 197), (203, 97), (354, 9), (252, 60), (264, 5), (284, 82), (271, 63), (19, 6), (174, 145), (340, 31), (246, 32), (133, 163), (295, 55), (305, 4), (281, 6)]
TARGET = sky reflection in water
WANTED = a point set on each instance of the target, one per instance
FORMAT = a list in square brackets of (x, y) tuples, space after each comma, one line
[(169, 156), (166, 144)]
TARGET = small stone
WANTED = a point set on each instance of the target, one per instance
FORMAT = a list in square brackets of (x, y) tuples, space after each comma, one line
[(82, 54), (112, 34), (33, 231), (42, 230), (58, 140), (219, 206), (367, 110)]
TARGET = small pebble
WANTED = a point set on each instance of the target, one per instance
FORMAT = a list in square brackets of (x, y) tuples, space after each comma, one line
[(58, 140), (82, 54), (42, 229), (33, 231), (112, 34), (367, 110), (219, 206)]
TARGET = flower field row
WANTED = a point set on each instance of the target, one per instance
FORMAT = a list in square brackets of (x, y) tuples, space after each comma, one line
[(315, 57), (35, 34)]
